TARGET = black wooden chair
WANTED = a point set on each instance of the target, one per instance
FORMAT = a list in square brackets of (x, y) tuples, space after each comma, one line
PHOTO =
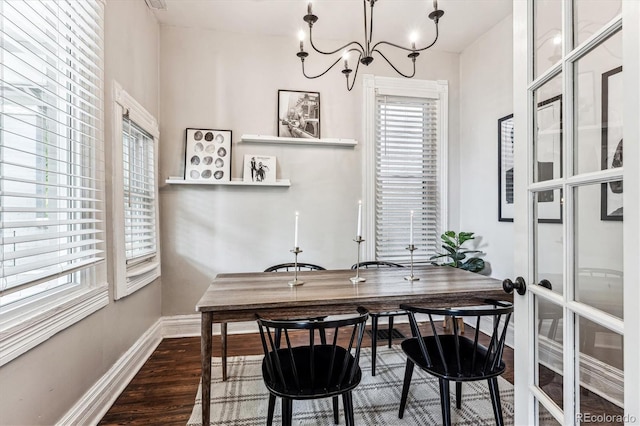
[(291, 267), (452, 357), (275, 268), (376, 315), (312, 371)]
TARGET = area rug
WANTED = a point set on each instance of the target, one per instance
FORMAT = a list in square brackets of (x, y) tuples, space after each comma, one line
[(242, 400)]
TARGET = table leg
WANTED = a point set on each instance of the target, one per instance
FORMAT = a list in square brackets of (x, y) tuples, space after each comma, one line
[(205, 355), (223, 338)]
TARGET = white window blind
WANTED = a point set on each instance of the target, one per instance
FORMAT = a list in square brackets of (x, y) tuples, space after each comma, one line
[(407, 177), (51, 146), (139, 193)]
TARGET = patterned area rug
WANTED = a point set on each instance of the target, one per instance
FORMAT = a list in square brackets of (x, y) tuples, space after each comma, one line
[(243, 398)]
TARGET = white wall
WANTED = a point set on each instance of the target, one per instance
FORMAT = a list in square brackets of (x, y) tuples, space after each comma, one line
[(486, 87), (230, 81), (40, 386)]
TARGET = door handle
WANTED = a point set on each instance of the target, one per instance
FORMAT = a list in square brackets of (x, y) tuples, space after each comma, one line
[(520, 286)]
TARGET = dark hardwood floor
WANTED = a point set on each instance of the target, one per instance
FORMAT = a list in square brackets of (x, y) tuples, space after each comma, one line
[(164, 390)]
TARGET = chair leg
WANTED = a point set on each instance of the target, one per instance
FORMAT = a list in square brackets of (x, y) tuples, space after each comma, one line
[(390, 330), (458, 395), (408, 372), (495, 400), (444, 402), (374, 342), (347, 400), (336, 413), (272, 406), (287, 411), (223, 347)]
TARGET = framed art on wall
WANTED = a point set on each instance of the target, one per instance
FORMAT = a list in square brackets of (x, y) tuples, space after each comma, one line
[(208, 155), (298, 114), (259, 169), (548, 155), (505, 168), (611, 156)]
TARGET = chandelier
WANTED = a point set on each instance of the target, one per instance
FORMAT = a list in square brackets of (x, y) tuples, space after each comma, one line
[(364, 51)]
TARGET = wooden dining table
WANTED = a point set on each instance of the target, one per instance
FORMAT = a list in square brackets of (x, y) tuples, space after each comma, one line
[(241, 296)]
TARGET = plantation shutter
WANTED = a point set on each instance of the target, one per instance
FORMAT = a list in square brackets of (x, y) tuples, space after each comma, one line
[(139, 193), (407, 177), (51, 145)]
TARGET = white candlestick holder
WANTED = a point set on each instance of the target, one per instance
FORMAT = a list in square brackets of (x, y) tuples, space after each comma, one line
[(296, 281), (411, 277), (358, 278)]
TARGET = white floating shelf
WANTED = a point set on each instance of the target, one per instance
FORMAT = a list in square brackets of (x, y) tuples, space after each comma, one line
[(234, 182), (298, 141)]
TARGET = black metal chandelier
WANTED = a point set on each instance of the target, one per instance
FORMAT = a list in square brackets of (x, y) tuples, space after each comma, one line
[(366, 50)]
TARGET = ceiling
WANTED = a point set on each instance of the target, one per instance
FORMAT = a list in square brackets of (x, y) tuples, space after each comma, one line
[(463, 22)]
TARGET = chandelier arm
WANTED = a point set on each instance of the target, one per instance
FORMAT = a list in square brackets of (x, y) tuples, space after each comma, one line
[(334, 51), (355, 74), (406, 48), (323, 73), (396, 69)]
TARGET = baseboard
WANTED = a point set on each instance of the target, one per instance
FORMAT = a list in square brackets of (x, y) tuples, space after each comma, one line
[(95, 403), (189, 326)]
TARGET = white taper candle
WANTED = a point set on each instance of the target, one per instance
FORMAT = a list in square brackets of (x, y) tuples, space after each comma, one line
[(295, 232), (359, 230)]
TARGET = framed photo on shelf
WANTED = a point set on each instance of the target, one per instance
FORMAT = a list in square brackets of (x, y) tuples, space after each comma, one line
[(548, 154), (298, 114), (611, 157), (208, 155), (259, 169)]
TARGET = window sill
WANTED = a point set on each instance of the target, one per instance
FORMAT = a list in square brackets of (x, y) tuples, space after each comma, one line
[(34, 327)]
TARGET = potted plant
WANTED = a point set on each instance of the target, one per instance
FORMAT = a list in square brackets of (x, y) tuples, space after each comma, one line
[(453, 247)]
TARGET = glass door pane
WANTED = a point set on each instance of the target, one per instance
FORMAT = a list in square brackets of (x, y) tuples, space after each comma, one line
[(547, 138), (590, 16), (547, 34)]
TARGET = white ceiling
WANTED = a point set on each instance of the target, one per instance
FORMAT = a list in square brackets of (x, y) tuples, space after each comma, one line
[(394, 20)]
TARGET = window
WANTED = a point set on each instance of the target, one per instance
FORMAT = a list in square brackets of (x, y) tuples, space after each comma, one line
[(51, 169), (404, 166), (135, 223)]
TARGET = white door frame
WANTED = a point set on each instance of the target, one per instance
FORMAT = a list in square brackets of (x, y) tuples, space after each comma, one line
[(523, 228)]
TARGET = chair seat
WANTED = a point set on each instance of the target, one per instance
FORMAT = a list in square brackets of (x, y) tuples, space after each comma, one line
[(388, 313), (325, 380), (411, 348)]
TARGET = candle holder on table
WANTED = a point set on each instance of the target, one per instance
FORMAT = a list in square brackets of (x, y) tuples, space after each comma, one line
[(295, 281), (411, 277), (358, 278)]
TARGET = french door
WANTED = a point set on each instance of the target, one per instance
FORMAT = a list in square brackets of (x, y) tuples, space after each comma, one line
[(577, 215)]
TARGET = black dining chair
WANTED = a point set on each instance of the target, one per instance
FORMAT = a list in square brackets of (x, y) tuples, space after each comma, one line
[(291, 267), (376, 315), (452, 357), (312, 371), (274, 268)]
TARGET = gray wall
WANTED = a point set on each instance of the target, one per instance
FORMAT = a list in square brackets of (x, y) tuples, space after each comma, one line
[(40, 386), (486, 86), (230, 81)]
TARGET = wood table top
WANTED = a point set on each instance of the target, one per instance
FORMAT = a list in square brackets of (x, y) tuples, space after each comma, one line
[(384, 287)]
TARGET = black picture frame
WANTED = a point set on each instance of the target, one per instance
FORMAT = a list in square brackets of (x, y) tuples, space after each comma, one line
[(552, 212), (611, 145), (505, 168), (298, 114), (207, 155)]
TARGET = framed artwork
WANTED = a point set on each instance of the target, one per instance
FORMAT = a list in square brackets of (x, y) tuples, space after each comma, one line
[(611, 157), (548, 151), (505, 168), (298, 114), (208, 155), (259, 169)]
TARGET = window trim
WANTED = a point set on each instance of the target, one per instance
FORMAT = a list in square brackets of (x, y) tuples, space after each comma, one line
[(128, 280), (372, 86)]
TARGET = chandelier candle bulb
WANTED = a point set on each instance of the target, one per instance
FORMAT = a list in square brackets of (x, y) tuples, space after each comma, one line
[(309, 10), (435, 4)]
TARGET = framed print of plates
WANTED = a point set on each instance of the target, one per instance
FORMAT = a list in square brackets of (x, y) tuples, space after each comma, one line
[(208, 155)]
